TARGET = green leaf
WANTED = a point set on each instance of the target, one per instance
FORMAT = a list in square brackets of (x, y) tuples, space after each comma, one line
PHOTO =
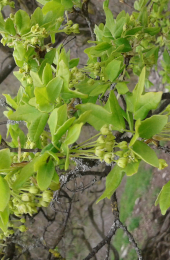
[(55, 7), (16, 132), (4, 193), (36, 79), (109, 17), (37, 126), (122, 88), (45, 174), (122, 41), (145, 153), (133, 31), (143, 16), (19, 52), (26, 113), (5, 159), (99, 116), (73, 63), (4, 216), (152, 31), (54, 88), (163, 198), (139, 88), (112, 70), (57, 118), (37, 17), (47, 74), (10, 101), (9, 26), (117, 119), (130, 119), (132, 168), (73, 134), (83, 117), (26, 172), (147, 102), (136, 135), (22, 22), (118, 27), (64, 73), (113, 180), (67, 4), (62, 130), (166, 57), (42, 99), (152, 126)]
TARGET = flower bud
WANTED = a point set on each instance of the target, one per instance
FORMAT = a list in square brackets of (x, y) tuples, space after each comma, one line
[(123, 145), (60, 19), (110, 137), (162, 164), (22, 228), (122, 162), (47, 196), (44, 204), (101, 140), (22, 220), (119, 153), (99, 151), (33, 190), (22, 209), (126, 154), (109, 147), (108, 157), (105, 130), (90, 82), (75, 26), (25, 197)]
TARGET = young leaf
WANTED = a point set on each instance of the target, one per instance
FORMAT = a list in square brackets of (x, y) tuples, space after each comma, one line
[(112, 70), (22, 22), (62, 130), (5, 159), (37, 127), (9, 26), (132, 168), (37, 17), (26, 113), (146, 103), (45, 174), (57, 118), (152, 126), (122, 88), (113, 180), (117, 119), (54, 88), (73, 134), (25, 174), (4, 193), (138, 90), (54, 6), (145, 153), (4, 216), (47, 74), (118, 27), (42, 99), (163, 198)]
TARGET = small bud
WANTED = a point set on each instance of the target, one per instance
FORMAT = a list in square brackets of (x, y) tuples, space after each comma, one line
[(75, 26), (101, 140), (25, 197), (162, 164), (47, 196), (108, 157), (119, 153), (60, 19), (22, 209), (110, 137), (123, 145), (33, 190), (44, 204), (122, 162), (90, 82), (109, 147), (105, 130), (22, 228), (22, 220), (99, 151)]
